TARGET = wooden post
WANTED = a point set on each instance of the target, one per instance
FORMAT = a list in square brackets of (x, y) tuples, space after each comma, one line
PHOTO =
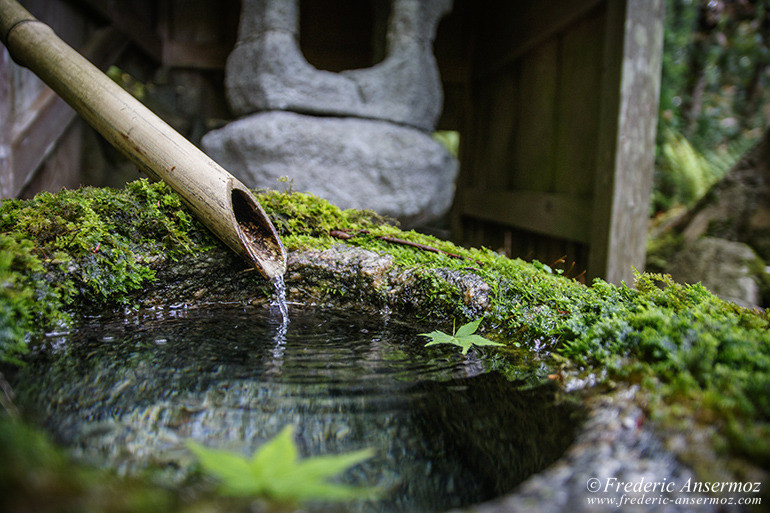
[(626, 153), (217, 198), (6, 112)]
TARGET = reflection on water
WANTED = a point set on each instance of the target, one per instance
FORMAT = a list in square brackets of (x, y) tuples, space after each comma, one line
[(128, 391)]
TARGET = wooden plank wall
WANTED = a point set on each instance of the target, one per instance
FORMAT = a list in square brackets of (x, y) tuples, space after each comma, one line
[(37, 150), (33, 118), (545, 97), (39, 143)]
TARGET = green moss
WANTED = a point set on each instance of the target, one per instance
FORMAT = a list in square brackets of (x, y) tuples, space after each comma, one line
[(687, 345), (37, 476), (93, 245), (690, 350), (18, 304), (303, 220)]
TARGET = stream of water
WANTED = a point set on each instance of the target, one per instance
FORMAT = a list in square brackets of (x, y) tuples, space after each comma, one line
[(126, 391), (280, 298)]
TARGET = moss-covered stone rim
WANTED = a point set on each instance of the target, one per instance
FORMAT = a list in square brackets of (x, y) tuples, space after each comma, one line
[(698, 358)]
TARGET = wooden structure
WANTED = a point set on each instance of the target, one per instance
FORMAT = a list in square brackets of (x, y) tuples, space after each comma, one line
[(555, 102), (39, 143), (558, 129), (40, 136)]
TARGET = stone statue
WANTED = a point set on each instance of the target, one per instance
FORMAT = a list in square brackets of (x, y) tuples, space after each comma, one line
[(359, 138)]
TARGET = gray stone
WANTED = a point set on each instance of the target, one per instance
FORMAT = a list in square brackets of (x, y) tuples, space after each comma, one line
[(354, 163), (726, 268), (367, 277), (267, 71), (615, 445)]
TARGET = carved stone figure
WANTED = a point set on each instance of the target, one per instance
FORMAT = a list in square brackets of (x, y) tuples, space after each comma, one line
[(372, 147)]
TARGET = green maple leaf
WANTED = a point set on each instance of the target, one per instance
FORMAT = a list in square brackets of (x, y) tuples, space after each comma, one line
[(275, 472), (464, 337)]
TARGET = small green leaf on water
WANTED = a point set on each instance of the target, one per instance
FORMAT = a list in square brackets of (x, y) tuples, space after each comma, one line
[(464, 337), (230, 468), (275, 472), (467, 329)]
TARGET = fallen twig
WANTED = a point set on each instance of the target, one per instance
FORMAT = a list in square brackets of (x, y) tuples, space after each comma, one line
[(345, 235)]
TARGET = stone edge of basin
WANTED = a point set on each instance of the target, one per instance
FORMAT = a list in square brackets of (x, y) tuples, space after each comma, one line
[(614, 441)]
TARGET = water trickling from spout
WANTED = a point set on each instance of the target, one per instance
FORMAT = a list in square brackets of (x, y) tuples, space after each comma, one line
[(280, 299), (279, 340)]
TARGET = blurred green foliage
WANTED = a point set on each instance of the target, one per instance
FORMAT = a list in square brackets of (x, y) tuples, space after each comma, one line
[(714, 95), (275, 472), (36, 475), (684, 174), (450, 139)]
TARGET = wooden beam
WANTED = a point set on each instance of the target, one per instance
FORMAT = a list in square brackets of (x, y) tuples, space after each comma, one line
[(535, 23), (35, 132), (123, 16), (557, 215), (626, 146), (6, 111), (188, 54)]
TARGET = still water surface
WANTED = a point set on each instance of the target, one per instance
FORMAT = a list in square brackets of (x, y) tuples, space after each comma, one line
[(126, 391)]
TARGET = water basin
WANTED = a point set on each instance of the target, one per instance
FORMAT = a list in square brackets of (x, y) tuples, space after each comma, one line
[(126, 392)]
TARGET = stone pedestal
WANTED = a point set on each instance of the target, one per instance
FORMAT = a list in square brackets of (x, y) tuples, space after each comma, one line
[(372, 148), (354, 163)]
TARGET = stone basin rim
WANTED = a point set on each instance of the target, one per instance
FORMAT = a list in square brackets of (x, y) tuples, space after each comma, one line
[(615, 421)]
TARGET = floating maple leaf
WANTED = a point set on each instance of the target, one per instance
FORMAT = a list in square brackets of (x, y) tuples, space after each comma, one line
[(464, 337), (275, 472)]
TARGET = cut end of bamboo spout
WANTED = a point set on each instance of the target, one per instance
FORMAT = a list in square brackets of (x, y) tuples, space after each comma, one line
[(257, 234)]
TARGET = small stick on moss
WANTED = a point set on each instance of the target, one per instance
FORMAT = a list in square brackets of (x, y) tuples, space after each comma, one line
[(341, 234), (345, 235), (72, 238), (417, 245)]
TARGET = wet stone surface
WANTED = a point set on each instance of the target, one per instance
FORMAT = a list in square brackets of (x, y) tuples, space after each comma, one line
[(616, 445), (339, 276), (127, 391), (134, 394)]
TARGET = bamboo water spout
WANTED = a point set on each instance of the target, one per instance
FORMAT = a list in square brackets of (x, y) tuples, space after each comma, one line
[(216, 197)]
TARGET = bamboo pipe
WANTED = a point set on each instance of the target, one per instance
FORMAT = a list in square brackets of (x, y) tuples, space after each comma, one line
[(216, 197)]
